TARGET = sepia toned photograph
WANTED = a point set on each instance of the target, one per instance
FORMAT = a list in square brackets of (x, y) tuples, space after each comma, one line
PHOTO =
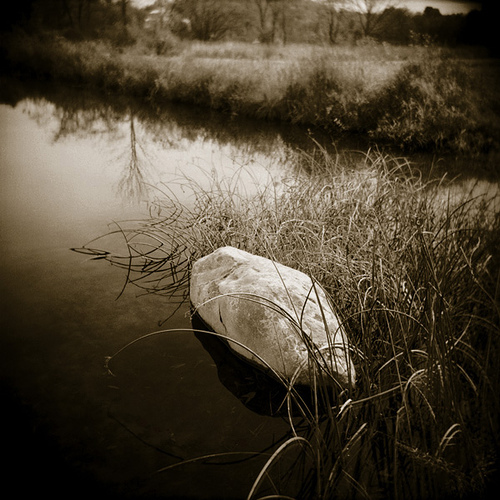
[(250, 249)]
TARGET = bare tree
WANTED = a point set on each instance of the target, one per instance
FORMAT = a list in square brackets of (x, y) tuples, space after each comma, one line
[(273, 18), (330, 16), (279, 19), (72, 10), (67, 12), (371, 14), (133, 184), (124, 5), (203, 19), (164, 8), (262, 10)]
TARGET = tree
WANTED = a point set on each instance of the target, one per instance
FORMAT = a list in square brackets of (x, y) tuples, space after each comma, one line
[(273, 18), (163, 11), (72, 14), (262, 10), (124, 5), (133, 185), (203, 19), (397, 25), (372, 14), (330, 13)]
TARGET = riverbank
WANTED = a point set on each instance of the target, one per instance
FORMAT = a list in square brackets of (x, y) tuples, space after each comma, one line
[(416, 98)]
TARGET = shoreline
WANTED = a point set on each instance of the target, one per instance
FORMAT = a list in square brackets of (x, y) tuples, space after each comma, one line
[(431, 101)]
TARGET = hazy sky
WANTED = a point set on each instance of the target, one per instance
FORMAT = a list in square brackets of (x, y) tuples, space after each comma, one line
[(444, 6)]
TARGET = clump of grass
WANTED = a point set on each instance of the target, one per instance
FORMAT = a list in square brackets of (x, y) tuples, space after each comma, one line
[(414, 273)]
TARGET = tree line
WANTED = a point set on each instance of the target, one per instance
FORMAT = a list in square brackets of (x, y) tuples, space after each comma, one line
[(265, 21)]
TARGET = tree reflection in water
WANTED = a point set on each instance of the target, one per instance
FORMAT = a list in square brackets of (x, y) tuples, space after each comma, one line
[(132, 185)]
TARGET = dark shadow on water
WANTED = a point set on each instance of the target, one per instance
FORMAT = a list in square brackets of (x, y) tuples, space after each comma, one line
[(293, 473), (254, 388), (258, 391)]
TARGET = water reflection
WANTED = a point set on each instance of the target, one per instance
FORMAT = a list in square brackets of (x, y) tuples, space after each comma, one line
[(64, 157), (183, 129), (256, 390), (150, 143), (133, 184), (80, 112)]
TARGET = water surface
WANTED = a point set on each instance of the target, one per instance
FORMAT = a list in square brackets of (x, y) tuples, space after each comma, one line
[(70, 167)]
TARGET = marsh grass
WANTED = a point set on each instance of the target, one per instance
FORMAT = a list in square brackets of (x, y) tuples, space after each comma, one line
[(412, 270)]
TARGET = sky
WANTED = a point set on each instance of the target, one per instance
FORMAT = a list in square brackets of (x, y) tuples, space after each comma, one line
[(446, 7)]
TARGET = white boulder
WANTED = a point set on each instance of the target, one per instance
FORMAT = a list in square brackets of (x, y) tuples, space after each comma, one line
[(272, 313)]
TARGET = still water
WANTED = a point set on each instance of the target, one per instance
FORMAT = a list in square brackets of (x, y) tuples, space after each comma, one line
[(70, 165)]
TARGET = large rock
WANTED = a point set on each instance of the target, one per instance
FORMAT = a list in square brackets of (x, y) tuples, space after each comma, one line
[(273, 311)]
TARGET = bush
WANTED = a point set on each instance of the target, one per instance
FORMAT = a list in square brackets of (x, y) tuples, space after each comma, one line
[(432, 104)]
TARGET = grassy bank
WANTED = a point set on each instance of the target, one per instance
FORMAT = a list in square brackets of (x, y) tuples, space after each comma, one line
[(414, 272), (420, 98)]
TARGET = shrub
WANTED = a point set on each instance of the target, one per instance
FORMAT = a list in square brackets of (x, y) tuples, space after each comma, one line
[(432, 104)]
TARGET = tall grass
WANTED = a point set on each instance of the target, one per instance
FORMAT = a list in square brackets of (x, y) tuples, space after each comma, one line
[(415, 97), (413, 271)]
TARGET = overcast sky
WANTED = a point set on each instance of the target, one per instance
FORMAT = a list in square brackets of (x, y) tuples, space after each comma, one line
[(444, 6)]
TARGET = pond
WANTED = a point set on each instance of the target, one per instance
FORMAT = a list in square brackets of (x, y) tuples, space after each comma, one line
[(73, 166)]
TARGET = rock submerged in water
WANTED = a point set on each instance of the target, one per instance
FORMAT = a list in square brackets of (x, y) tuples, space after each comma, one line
[(273, 311)]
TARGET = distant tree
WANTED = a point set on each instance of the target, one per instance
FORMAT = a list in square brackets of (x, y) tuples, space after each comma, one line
[(489, 21), (477, 29), (437, 28), (279, 19), (124, 6), (371, 14), (432, 13), (84, 19), (330, 13), (203, 19), (273, 18), (163, 11), (263, 7), (395, 26), (429, 22), (75, 15), (267, 16)]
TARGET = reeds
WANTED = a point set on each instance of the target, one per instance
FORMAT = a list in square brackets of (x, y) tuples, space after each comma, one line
[(413, 272)]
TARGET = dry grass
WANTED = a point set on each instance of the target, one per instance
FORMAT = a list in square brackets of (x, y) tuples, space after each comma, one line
[(413, 272)]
